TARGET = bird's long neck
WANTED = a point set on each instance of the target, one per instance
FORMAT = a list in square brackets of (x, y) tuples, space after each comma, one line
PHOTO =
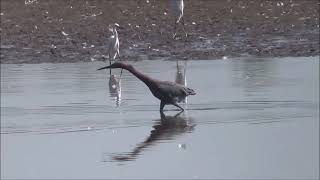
[(147, 80)]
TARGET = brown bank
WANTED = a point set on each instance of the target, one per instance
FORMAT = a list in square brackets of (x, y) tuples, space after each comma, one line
[(72, 30)]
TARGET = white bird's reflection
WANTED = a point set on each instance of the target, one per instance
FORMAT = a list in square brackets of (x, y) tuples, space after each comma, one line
[(181, 76), (115, 88)]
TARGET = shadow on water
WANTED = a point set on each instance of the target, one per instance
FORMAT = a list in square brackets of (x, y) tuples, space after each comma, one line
[(115, 89), (165, 129)]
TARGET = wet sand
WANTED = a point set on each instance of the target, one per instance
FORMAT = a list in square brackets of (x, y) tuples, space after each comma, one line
[(72, 31)]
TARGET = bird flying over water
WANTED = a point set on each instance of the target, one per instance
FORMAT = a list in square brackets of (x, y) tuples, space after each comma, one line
[(167, 92)]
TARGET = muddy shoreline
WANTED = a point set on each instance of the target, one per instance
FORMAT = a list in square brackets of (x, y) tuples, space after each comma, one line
[(73, 31)]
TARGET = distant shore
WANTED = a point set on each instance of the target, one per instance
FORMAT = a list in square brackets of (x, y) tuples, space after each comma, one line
[(76, 31)]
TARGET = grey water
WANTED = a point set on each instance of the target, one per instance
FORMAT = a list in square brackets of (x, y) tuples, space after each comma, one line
[(251, 118)]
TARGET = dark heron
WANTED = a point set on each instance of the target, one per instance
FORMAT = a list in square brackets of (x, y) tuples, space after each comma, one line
[(167, 92)]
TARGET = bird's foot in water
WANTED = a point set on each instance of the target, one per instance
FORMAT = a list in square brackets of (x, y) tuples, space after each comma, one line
[(121, 73), (163, 115)]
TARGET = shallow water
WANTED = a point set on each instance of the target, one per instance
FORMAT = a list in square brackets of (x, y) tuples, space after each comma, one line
[(251, 118)]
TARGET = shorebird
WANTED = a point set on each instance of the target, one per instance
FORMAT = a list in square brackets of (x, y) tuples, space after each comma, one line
[(177, 7), (113, 44), (167, 92)]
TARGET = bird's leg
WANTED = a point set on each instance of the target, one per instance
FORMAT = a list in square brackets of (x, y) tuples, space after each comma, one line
[(120, 60), (175, 29), (178, 114), (118, 55), (162, 104), (177, 105), (184, 30), (162, 115), (121, 73), (110, 63)]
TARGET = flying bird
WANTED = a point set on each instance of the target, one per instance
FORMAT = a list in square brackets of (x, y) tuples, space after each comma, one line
[(167, 92)]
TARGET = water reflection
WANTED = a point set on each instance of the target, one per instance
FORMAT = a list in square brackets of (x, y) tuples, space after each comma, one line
[(254, 75), (181, 76), (115, 89), (166, 128)]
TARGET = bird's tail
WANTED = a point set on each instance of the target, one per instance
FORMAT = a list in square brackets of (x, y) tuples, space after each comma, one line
[(190, 91)]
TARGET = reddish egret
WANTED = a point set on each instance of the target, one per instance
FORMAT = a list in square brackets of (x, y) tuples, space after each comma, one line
[(113, 43), (167, 92), (177, 7)]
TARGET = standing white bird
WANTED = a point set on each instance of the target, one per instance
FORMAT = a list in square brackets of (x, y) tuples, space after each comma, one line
[(113, 44), (177, 7)]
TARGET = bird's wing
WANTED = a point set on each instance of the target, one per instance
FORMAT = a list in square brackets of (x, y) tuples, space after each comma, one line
[(172, 90)]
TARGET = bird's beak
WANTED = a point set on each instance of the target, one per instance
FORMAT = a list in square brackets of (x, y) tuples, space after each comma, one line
[(106, 67)]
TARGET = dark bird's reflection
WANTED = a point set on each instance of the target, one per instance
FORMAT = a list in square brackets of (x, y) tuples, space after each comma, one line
[(166, 128), (181, 76), (115, 89)]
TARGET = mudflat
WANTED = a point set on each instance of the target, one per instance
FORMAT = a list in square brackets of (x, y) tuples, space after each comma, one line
[(72, 31)]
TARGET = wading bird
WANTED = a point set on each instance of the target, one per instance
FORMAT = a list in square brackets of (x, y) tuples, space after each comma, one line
[(113, 44), (167, 92), (177, 7)]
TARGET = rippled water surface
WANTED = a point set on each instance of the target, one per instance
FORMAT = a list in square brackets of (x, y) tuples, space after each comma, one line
[(251, 118)]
